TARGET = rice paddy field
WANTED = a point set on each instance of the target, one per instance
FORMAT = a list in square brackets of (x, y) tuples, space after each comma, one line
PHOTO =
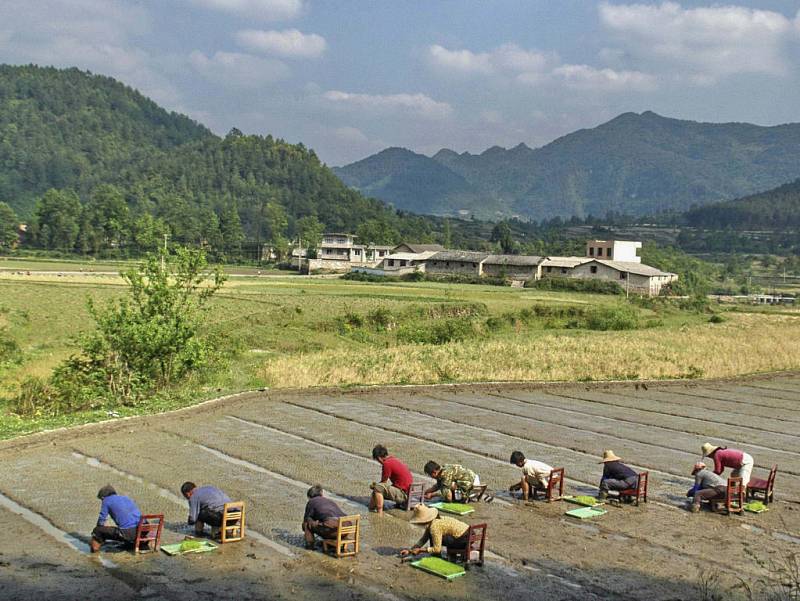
[(453, 373), (267, 448)]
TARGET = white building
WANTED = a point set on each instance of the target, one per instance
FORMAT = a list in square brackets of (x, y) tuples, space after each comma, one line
[(614, 250)]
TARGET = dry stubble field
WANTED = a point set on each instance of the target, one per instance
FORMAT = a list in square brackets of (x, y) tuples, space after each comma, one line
[(267, 448)]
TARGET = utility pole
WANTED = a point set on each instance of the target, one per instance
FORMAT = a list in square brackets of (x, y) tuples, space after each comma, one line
[(164, 254)]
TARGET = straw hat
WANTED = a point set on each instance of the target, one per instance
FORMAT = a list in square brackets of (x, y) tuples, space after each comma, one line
[(424, 514), (697, 467), (708, 448), (609, 455)]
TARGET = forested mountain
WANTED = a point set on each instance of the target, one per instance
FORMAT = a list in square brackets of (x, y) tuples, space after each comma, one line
[(776, 209), (92, 164), (635, 164)]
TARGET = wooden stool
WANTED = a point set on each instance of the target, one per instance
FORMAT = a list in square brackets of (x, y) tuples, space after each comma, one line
[(734, 498), (348, 533), (555, 482), (476, 494), (764, 488), (640, 492), (232, 528), (416, 495), (148, 530), (473, 552)]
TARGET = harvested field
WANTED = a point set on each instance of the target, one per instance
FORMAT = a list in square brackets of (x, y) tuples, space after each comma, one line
[(268, 448)]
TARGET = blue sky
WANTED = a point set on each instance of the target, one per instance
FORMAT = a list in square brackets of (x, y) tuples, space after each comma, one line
[(349, 78)]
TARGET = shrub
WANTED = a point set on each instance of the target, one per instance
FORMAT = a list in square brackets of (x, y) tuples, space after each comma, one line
[(576, 285), (381, 319), (9, 349), (716, 318), (439, 332), (620, 317)]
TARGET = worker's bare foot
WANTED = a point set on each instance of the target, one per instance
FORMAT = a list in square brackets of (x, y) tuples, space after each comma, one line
[(94, 546)]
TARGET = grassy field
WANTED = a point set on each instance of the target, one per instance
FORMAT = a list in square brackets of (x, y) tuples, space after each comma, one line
[(299, 332)]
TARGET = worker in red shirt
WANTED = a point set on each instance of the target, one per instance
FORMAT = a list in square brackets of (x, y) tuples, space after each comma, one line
[(395, 481), (740, 462)]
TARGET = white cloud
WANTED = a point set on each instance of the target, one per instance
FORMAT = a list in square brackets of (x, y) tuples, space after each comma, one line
[(351, 135), (264, 10), (704, 43), (609, 80), (289, 43), (418, 104), (508, 58), (237, 69)]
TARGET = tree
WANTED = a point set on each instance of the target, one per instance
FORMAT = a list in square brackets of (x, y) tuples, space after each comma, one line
[(377, 231), (501, 234), (9, 225), (108, 217), (309, 231), (230, 227), (57, 215), (276, 223)]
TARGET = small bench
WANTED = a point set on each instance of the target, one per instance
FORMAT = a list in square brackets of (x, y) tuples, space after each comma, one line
[(148, 533), (473, 552), (554, 482), (416, 495), (733, 501), (347, 541), (763, 488), (232, 528), (639, 493)]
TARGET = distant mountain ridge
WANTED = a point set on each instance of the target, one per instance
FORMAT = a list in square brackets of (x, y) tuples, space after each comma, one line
[(636, 164)]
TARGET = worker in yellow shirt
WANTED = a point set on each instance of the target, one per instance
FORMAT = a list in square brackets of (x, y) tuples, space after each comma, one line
[(439, 532)]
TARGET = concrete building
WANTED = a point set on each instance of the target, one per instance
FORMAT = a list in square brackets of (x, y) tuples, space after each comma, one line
[(634, 277), (514, 267), (614, 250), (460, 262), (559, 266), (339, 252)]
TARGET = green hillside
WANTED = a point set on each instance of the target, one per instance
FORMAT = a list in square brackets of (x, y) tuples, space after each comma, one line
[(93, 165), (635, 164), (776, 209)]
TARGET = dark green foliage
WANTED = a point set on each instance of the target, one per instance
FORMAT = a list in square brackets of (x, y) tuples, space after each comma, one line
[(576, 285), (619, 317), (694, 276), (438, 332), (636, 164), (8, 226), (777, 209), (716, 318), (9, 349)]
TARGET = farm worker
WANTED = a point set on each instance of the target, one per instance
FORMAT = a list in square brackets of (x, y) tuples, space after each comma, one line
[(707, 485), (123, 511), (206, 505), (535, 474), (439, 532), (740, 462), (395, 481), (321, 516), (453, 482), (616, 475)]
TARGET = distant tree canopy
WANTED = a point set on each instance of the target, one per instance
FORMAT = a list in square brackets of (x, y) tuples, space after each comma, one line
[(8, 226)]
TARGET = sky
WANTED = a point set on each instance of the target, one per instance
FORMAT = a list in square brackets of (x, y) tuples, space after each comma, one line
[(349, 78)]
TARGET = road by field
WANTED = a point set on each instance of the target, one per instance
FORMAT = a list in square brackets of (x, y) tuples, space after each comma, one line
[(267, 448)]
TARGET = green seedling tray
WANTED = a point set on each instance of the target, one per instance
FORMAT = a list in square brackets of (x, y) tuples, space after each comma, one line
[(751, 509), (578, 501), (439, 567), (585, 513), (175, 549), (456, 508)]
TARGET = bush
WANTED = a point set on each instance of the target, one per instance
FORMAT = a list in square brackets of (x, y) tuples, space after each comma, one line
[(716, 318), (576, 285), (9, 349), (620, 317), (439, 332)]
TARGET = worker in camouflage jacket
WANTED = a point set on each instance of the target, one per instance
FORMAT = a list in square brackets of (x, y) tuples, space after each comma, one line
[(453, 482)]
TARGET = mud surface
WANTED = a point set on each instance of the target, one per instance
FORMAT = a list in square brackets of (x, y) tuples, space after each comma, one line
[(268, 448)]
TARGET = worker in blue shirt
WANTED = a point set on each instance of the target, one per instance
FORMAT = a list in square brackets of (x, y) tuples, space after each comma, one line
[(123, 511), (206, 504)]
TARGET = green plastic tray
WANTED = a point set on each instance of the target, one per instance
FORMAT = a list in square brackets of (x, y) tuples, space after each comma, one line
[(175, 549), (439, 567), (748, 507), (456, 508), (571, 499), (585, 513)]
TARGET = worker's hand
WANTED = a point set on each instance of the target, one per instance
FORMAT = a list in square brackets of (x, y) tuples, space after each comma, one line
[(405, 552), (428, 495), (417, 551)]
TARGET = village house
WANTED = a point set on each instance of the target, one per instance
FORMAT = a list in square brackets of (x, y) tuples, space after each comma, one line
[(614, 250), (559, 266), (513, 267), (417, 249), (632, 276), (461, 262), (339, 252)]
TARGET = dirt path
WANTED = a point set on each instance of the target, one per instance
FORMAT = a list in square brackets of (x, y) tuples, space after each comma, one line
[(268, 448)]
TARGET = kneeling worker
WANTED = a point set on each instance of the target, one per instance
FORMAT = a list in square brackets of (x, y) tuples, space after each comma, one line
[(453, 482), (206, 505), (321, 517), (395, 481), (535, 475), (123, 511), (616, 475), (439, 532), (707, 485)]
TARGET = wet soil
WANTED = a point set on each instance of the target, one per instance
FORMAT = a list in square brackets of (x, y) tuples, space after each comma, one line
[(268, 448)]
